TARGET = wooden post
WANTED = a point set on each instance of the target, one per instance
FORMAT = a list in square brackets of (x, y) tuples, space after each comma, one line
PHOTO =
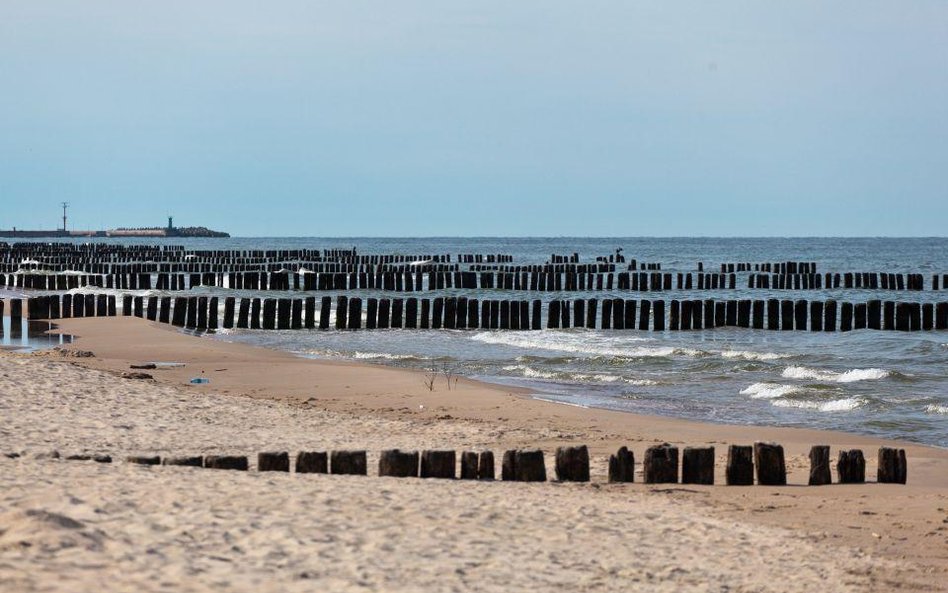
[(269, 313), (347, 463), (229, 303), (468, 465), (622, 466), (355, 313), (438, 464), (271, 461), (485, 466), (398, 464), (572, 464), (851, 467), (740, 465), (893, 468), (233, 462), (771, 467), (342, 309), (697, 465), (799, 310), (661, 464), (820, 465), (312, 462), (523, 466)]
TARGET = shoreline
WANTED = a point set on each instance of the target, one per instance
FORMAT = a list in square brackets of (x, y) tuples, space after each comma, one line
[(260, 399), (88, 332)]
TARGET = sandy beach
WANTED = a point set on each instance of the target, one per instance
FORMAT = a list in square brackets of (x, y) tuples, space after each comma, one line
[(81, 525)]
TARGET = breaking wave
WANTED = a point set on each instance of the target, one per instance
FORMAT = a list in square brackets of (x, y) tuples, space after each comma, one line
[(850, 376)]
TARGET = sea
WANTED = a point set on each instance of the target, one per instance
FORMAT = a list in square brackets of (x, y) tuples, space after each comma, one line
[(880, 383)]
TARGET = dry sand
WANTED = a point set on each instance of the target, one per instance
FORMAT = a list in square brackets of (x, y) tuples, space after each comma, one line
[(74, 526)]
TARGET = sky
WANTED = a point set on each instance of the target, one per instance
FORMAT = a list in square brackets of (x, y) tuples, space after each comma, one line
[(486, 118)]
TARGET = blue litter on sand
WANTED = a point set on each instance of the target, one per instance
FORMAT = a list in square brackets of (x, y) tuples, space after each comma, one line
[(199, 380)]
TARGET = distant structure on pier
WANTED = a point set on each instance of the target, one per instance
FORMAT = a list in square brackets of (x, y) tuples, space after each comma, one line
[(168, 231)]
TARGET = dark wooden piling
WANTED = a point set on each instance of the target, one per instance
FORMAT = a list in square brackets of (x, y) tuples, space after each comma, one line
[(851, 467), (312, 462), (572, 464), (232, 462), (255, 307), (398, 464), (342, 310), (846, 317), (799, 314), (740, 466), (697, 465), (820, 474), (273, 461), (438, 464), (468, 465), (771, 467), (485, 466), (773, 314), (269, 313), (874, 314), (893, 468), (661, 464), (143, 459), (523, 466), (622, 466), (351, 463), (355, 313), (816, 316), (229, 303)]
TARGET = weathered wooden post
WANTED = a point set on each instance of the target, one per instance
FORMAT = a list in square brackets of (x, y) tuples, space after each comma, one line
[(438, 464), (312, 462), (771, 467), (273, 461), (661, 464), (622, 466), (893, 468), (820, 465), (232, 462), (351, 463), (229, 303), (485, 466), (572, 464), (342, 309), (398, 464), (269, 313), (468, 465), (523, 466), (740, 466), (697, 465), (851, 467)]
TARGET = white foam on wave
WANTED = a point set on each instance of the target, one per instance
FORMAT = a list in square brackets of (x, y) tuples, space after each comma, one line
[(362, 355), (748, 355), (850, 376), (836, 405), (768, 390), (936, 409), (532, 373), (578, 344)]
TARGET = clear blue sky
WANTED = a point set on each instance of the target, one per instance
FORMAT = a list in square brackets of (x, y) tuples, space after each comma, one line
[(477, 118)]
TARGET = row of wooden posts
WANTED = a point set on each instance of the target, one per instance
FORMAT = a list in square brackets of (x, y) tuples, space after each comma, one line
[(847, 280), (463, 313), (421, 278), (571, 464), (788, 267)]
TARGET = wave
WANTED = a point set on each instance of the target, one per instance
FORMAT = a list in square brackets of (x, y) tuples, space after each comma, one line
[(748, 355), (836, 405), (365, 355), (769, 390), (532, 373), (850, 376), (556, 343), (936, 409)]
